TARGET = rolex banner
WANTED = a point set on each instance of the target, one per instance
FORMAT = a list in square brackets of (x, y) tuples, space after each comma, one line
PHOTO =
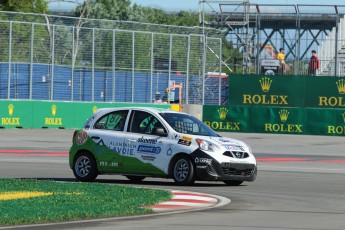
[(227, 119), (257, 90), (287, 91), (324, 92), (15, 114), (277, 120)]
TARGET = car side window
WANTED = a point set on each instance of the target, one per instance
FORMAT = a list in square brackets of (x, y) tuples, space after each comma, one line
[(112, 121), (146, 123)]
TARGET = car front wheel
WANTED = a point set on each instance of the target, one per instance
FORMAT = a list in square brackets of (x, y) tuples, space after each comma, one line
[(183, 171), (84, 167)]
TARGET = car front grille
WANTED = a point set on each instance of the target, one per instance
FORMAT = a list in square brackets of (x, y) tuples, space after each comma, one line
[(237, 172), (236, 154), (236, 169)]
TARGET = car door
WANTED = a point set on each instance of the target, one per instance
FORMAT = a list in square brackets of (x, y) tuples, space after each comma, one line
[(150, 146), (108, 134)]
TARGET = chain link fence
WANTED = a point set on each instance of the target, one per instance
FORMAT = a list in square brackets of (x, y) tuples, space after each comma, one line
[(44, 57)]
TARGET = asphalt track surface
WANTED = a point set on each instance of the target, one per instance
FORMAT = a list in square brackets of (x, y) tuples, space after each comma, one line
[(300, 183)]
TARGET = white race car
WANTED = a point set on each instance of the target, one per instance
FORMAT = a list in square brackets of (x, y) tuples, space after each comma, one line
[(140, 142)]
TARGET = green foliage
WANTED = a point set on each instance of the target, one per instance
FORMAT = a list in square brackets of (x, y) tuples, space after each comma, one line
[(106, 9), (73, 201), (232, 57), (158, 16), (29, 6)]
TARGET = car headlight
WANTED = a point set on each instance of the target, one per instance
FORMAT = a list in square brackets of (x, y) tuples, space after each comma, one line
[(206, 145)]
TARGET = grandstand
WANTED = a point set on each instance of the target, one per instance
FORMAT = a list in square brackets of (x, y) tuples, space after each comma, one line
[(334, 58)]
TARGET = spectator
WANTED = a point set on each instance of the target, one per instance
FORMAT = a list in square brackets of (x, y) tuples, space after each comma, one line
[(157, 98), (281, 58), (314, 64)]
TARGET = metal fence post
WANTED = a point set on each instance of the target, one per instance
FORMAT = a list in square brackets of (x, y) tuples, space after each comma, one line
[(187, 74), (113, 63), (9, 61), (337, 21), (52, 65), (170, 54), (31, 59), (133, 66), (152, 67), (220, 74), (298, 43), (93, 66), (73, 65), (203, 64)]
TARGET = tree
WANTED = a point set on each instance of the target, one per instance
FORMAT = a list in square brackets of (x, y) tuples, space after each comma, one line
[(231, 55), (109, 9), (28, 6)]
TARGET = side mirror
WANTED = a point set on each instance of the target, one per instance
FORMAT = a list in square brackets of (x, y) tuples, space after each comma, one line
[(159, 132)]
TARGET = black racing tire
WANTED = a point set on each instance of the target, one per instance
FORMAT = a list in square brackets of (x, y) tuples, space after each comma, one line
[(135, 179), (233, 182), (183, 171), (85, 167)]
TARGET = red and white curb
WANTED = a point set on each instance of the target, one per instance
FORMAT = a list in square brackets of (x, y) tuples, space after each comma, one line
[(183, 200)]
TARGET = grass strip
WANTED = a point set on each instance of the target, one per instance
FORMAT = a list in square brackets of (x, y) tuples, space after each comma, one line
[(27, 201)]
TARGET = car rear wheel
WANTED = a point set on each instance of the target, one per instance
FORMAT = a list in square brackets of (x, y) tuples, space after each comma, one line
[(85, 167), (183, 171), (135, 178), (233, 182)]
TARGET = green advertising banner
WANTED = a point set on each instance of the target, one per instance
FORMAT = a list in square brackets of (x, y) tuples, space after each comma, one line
[(51, 114), (276, 120), (326, 121), (325, 92), (287, 91), (227, 119), (15, 114), (280, 120), (261, 90)]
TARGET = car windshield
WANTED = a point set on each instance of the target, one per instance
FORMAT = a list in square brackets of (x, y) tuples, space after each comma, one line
[(184, 123)]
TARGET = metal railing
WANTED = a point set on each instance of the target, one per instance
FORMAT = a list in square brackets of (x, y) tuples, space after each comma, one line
[(45, 57), (257, 28)]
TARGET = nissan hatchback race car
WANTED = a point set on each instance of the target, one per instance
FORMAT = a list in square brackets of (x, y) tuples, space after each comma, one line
[(152, 142)]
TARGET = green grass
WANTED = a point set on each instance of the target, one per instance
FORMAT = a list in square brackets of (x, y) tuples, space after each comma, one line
[(72, 201)]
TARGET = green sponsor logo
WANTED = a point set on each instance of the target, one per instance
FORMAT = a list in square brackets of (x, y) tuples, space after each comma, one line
[(265, 99), (53, 120), (334, 101), (340, 130), (283, 126), (10, 120), (223, 124)]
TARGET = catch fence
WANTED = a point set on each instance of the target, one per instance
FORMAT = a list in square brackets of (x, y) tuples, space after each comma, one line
[(45, 57)]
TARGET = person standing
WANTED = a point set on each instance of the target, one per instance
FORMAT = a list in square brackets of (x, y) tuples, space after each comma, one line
[(281, 58), (314, 64)]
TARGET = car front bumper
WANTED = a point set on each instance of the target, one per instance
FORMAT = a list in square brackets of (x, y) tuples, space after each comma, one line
[(240, 172), (209, 169)]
